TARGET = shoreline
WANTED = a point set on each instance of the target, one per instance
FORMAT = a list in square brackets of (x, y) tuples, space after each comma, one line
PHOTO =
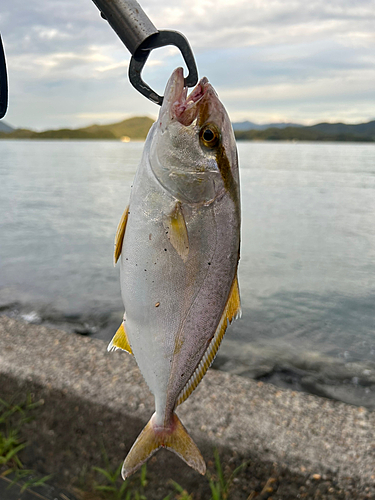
[(308, 372), (328, 140), (351, 382), (91, 396)]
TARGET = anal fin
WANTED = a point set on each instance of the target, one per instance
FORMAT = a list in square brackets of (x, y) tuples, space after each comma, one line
[(231, 311), (120, 341), (120, 233)]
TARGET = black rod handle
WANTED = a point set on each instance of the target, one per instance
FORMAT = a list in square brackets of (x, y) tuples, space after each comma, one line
[(3, 82)]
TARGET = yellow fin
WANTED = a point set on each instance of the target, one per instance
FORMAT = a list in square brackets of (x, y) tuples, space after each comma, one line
[(120, 341), (120, 233), (176, 230), (231, 311), (175, 438)]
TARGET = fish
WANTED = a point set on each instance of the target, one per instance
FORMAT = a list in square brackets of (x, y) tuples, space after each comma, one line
[(178, 242)]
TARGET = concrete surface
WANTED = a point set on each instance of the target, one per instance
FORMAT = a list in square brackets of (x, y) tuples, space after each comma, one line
[(94, 398)]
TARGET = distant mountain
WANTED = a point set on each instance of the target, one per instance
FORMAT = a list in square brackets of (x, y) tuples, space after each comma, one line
[(243, 126), (133, 128), (136, 128), (362, 129), (4, 127), (364, 132)]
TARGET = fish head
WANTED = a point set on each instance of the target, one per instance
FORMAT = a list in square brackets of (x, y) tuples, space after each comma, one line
[(193, 151)]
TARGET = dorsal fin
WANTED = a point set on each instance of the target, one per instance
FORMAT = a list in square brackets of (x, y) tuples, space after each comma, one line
[(120, 233), (231, 311), (176, 231), (120, 341)]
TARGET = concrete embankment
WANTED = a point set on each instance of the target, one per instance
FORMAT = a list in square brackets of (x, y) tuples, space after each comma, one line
[(94, 398)]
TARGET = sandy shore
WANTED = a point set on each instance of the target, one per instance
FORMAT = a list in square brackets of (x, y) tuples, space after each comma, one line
[(304, 443)]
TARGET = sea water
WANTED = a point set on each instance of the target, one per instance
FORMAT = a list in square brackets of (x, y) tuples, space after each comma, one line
[(307, 269)]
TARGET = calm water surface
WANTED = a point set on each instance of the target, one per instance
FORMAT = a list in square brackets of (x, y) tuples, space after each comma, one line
[(307, 272)]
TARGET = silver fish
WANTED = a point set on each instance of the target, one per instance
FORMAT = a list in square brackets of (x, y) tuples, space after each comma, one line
[(179, 243)]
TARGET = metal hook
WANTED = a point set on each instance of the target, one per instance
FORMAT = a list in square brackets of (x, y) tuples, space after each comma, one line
[(140, 36), (3, 82), (161, 39)]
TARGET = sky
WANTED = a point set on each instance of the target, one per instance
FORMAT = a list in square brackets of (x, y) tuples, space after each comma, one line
[(269, 60)]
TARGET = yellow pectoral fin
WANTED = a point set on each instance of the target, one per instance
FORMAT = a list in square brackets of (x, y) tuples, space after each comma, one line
[(120, 341), (231, 311), (176, 230), (120, 233)]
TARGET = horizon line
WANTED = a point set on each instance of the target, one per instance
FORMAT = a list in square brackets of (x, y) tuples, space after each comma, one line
[(2, 120)]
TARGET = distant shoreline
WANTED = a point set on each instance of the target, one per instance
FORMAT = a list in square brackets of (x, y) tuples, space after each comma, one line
[(78, 139), (67, 139), (136, 129), (303, 134)]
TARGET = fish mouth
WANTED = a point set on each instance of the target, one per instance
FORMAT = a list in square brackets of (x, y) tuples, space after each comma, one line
[(184, 107)]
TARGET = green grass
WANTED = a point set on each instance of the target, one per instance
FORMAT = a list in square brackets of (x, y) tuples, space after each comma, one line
[(108, 483), (111, 485), (219, 484), (10, 446), (12, 418), (182, 494), (112, 488)]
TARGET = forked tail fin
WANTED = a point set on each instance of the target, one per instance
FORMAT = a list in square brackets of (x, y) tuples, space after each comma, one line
[(174, 438)]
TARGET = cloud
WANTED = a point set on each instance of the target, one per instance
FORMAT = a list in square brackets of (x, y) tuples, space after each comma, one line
[(222, 23), (295, 60)]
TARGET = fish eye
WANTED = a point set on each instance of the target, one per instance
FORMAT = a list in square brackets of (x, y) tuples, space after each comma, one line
[(209, 135)]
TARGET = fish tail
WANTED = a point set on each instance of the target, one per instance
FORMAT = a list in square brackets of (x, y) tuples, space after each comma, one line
[(174, 438)]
